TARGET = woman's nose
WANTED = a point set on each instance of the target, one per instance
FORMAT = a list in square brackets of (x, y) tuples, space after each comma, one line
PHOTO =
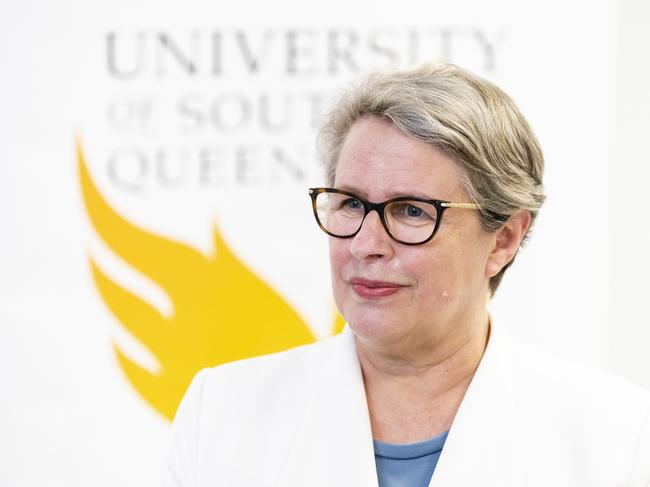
[(372, 241)]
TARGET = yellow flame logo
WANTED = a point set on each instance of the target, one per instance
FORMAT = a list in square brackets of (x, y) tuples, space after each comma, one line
[(221, 310)]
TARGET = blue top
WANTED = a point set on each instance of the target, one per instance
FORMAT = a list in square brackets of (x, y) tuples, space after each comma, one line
[(409, 465)]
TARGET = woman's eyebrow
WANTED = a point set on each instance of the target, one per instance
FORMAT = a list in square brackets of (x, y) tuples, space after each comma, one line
[(391, 195), (351, 189)]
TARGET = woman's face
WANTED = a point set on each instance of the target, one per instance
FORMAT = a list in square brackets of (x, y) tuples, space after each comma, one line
[(396, 294)]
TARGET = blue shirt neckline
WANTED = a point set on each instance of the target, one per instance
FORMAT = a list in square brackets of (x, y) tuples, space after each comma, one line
[(405, 451)]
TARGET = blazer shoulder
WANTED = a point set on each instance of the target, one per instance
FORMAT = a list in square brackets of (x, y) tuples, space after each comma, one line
[(599, 415), (573, 380), (249, 408), (293, 365), (274, 386)]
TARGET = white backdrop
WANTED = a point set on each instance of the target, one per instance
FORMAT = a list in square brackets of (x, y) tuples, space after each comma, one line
[(68, 414)]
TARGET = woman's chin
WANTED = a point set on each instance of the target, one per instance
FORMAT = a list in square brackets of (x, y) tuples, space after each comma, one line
[(377, 330)]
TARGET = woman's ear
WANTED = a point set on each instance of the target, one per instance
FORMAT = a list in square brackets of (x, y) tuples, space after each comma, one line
[(507, 241)]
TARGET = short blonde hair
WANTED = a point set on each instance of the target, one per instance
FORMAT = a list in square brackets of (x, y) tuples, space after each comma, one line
[(467, 117)]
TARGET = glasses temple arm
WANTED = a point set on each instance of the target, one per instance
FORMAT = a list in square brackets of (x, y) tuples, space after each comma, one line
[(463, 206)]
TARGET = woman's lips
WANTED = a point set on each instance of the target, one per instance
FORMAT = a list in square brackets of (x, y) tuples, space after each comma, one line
[(374, 289)]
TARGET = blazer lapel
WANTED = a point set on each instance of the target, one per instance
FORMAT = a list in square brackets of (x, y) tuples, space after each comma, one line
[(481, 448), (333, 445)]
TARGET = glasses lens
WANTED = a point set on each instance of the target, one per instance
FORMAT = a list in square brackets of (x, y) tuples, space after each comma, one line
[(411, 221), (339, 214)]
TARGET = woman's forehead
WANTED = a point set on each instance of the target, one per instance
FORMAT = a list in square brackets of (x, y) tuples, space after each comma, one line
[(376, 156)]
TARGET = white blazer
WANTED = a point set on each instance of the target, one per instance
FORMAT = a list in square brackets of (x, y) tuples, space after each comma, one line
[(300, 419)]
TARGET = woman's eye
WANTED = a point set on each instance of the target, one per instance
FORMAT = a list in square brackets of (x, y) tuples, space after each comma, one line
[(413, 211), (409, 211), (352, 204)]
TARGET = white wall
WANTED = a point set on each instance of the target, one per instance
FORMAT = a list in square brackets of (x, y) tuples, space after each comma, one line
[(628, 338)]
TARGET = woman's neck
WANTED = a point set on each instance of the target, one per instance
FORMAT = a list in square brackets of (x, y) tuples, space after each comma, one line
[(414, 397)]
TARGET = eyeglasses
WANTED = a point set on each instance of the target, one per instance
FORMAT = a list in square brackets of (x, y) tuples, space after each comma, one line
[(408, 220)]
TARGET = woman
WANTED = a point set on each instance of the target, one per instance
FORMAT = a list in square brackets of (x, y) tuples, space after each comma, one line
[(435, 179)]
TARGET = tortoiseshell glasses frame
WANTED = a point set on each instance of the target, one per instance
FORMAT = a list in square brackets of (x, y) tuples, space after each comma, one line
[(412, 220)]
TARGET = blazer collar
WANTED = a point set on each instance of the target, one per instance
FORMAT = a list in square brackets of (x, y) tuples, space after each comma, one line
[(481, 448), (333, 444)]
